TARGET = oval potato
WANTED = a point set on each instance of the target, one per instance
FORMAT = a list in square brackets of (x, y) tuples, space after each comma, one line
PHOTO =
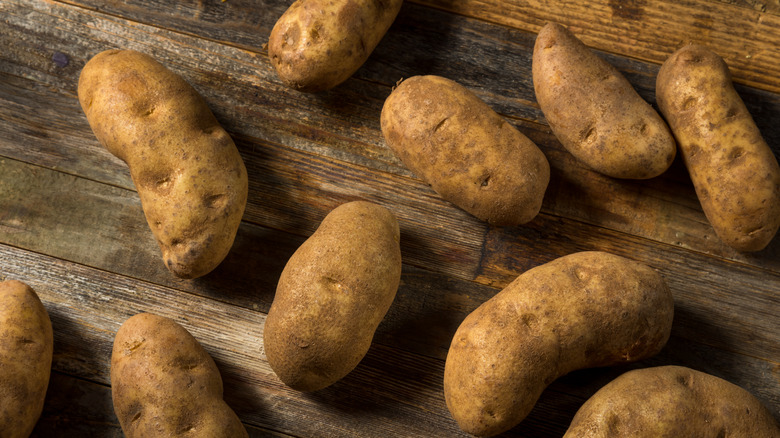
[(595, 112), (735, 173), (26, 348), (318, 44), (332, 295), (588, 309), (467, 152), (163, 383), (672, 401), (189, 175)]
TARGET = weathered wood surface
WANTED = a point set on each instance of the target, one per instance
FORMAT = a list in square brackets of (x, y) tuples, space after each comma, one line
[(71, 224)]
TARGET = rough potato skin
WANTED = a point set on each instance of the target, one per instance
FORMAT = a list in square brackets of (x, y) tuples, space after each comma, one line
[(735, 173), (332, 295), (26, 347), (165, 384), (671, 402), (189, 175), (587, 309), (467, 152), (318, 44), (595, 112)]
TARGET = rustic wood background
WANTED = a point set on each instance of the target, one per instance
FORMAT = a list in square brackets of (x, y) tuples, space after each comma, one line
[(71, 225)]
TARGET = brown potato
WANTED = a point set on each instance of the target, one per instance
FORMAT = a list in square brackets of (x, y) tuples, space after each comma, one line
[(165, 384), (587, 309), (332, 295), (595, 112), (26, 347), (190, 177), (468, 154), (318, 44), (672, 401), (735, 173)]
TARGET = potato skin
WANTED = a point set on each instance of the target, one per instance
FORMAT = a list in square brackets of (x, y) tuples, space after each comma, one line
[(165, 384), (587, 309), (26, 348), (735, 173), (467, 152), (595, 112), (332, 295), (189, 175), (318, 44), (672, 401)]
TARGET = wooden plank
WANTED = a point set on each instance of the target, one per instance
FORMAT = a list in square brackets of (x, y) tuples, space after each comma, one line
[(744, 32), (664, 209), (88, 306), (111, 235), (386, 394), (70, 222), (746, 38)]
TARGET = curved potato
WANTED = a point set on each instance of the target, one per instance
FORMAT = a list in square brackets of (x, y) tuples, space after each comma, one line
[(165, 384), (672, 401), (26, 348), (467, 152), (584, 310), (318, 44), (189, 175), (735, 173), (332, 295), (595, 112)]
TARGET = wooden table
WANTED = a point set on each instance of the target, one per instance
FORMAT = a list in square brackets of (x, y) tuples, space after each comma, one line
[(71, 224)]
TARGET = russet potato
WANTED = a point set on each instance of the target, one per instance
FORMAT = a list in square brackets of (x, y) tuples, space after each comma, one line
[(735, 173), (318, 44), (189, 175), (26, 348), (595, 112), (332, 295), (672, 401), (163, 383), (588, 309), (468, 153)]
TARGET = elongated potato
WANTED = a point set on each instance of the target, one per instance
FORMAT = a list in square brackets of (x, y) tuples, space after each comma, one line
[(26, 347), (468, 154), (165, 384), (190, 177), (318, 44), (595, 112), (672, 401), (332, 295), (587, 309), (736, 176)]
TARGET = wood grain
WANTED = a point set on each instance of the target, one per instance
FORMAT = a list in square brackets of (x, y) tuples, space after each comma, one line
[(71, 223), (746, 37)]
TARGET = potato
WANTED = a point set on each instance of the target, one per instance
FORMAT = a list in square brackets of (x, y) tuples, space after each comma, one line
[(190, 177), (26, 347), (468, 154), (332, 295), (736, 175), (588, 309), (595, 112), (165, 384), (672, 401), (318, 44)]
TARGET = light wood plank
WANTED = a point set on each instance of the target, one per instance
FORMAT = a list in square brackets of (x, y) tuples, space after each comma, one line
[(746, 38)]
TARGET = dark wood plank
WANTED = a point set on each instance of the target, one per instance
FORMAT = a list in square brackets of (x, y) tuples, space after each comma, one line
[(429, 306), (77, 408), (390, 393), (341, 129)]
